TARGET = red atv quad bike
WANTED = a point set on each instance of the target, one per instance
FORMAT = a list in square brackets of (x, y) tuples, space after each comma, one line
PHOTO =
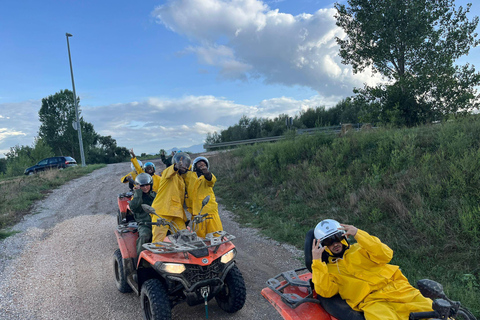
[(292, 294), (182, 268)]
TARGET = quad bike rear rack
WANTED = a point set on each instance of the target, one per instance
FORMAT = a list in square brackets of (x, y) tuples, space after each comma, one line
[(287, 283)]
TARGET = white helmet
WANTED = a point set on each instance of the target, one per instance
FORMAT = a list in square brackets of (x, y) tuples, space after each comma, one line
[(327, 228), (200, 159), (133, 167)]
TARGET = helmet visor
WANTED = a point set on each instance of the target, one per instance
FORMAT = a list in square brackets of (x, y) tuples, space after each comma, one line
[(337, 237)]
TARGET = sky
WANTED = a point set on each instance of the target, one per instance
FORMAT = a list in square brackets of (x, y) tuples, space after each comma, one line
[(162, 74)]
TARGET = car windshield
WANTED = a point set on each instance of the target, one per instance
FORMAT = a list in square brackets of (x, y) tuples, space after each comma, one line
[(70, 159)]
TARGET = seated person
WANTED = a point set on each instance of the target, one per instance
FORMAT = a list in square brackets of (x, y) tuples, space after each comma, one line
[(335, 305), (143, 194), (361, 273)]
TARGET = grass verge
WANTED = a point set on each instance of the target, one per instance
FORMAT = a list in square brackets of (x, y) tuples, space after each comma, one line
[(416, 189)]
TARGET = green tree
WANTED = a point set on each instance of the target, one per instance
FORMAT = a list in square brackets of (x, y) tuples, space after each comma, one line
[(56, 116), (21, 157), (413, 45)]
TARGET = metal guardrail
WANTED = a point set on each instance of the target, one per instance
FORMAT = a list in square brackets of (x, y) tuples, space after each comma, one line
[(331, 129), (240, 142)]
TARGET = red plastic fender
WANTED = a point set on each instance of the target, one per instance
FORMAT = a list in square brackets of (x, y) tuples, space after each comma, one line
[(123, 203), (127, 243), (305, 311)]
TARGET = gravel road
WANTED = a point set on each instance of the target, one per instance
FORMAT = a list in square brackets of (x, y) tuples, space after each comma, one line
[(59, 265)]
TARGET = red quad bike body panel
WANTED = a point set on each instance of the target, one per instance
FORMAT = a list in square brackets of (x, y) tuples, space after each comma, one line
[(123, 202), (127, 243), (305, 310), (186, 258)]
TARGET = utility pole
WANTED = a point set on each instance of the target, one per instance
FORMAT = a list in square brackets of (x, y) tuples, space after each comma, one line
[(77, 125)]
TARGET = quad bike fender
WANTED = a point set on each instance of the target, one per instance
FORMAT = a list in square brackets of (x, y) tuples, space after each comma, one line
[(123, 203), (127, 243), (305, 311)]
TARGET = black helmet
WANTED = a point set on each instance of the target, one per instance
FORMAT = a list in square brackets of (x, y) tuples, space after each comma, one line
[(143, 179), (182, 159)]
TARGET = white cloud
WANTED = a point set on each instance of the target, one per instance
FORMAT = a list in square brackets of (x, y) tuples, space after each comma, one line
[(246, 38), (156, 123), (18, 124)]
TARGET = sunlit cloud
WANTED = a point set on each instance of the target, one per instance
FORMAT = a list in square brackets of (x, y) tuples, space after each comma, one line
[(245, 38)]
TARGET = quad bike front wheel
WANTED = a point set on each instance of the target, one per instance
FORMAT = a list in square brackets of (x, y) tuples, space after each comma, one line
[(120, 275), (155, 301), (232, 296)]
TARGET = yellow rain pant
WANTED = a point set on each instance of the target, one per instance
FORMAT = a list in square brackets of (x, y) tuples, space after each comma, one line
[(159, 233), (395, 301)]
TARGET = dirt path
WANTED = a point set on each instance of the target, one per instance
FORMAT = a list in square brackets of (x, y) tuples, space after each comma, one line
[(60, 264)]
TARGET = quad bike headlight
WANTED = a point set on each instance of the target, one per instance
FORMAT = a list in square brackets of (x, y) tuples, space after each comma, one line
[(227, 257), (173, 267)]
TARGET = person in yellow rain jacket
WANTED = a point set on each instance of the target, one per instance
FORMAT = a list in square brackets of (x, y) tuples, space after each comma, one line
[(361, 273), (133, 174), (168, 203), (148, 167), (199, 183)]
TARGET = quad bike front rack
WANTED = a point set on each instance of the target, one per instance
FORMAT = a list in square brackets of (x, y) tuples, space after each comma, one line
[(289, 285)]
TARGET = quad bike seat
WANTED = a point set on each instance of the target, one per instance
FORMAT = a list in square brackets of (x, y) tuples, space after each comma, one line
[(335, 305)]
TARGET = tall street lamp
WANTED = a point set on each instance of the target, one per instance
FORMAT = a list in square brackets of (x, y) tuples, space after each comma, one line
[(77, 125)]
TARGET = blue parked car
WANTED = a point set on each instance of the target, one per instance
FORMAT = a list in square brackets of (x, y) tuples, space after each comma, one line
[(51, 163)]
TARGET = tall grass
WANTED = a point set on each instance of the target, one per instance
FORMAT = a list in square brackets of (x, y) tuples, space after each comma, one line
[(417, 189), (18, 194)]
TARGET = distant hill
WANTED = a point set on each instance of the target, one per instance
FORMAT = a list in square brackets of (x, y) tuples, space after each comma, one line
[(193, 149)]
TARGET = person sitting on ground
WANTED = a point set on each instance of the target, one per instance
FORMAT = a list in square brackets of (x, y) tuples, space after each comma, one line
[(361, 273), (148, 167), (168, 203), (199, 183), (143, 194), (130, 177)]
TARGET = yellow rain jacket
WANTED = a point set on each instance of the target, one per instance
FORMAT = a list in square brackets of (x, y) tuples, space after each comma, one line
[(367, 282), (133, 174), (197, 189), (156, 178), (169, 202)]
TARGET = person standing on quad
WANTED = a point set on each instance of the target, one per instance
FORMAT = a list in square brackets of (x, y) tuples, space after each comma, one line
[(148, 167), (199, 183), (168, 203), (361, 273), (143, 194)]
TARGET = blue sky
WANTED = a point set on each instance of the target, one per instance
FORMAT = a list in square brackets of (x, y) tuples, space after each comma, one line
[(161, 74)]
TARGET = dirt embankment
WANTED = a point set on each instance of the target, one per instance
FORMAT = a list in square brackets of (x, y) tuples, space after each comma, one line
[(60, 264)]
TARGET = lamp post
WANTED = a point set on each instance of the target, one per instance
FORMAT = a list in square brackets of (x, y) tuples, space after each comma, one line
[(77, 126)]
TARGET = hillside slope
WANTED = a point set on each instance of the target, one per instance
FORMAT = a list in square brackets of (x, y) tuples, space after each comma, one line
[(417, 189)]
